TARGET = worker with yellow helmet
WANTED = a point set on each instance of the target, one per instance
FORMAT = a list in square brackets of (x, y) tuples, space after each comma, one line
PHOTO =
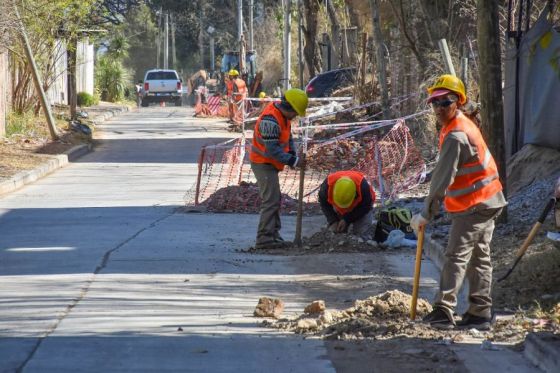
[(346, 199), (272, 149), (466, 180)]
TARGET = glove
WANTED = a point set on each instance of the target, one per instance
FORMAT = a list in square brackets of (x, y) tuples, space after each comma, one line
[(418, 221), (333, 227), (341, 226)]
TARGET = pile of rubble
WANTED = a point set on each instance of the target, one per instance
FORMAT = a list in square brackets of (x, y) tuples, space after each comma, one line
[(381, 316), (341, 155), (387, 316), (326, 241), (244, 198)]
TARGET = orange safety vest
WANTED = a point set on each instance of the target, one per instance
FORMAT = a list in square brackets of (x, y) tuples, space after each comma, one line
[(229, 87), (241, 90), (477, 181), (357, 178), (258, 150)]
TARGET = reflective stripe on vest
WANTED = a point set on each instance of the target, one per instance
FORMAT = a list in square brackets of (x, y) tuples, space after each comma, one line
[(258, 152), (474, 182), (357, 178)]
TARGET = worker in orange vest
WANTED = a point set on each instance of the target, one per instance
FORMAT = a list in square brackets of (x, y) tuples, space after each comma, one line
[(346, 199), (236, 91), (272, 149), (466, 180)]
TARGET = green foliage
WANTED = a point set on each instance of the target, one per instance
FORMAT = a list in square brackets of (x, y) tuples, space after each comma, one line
[(21, 123), (85, 99), (111, 78)]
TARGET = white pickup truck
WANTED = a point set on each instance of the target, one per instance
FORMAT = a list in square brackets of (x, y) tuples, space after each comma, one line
[(161, 86)]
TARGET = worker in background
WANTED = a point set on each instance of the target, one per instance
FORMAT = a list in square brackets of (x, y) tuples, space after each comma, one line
[(138, 90), (272, 149), (466, 180), (237, 91), (229, 92), (347, 199)]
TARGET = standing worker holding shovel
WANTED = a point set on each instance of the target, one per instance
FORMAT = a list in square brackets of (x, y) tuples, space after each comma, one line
[(272, 149), (466, 180)]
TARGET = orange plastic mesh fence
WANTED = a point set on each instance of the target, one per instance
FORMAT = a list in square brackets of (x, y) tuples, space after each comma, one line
[(376, 150)]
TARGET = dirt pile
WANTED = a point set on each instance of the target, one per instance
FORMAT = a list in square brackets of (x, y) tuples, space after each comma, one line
[(325, 241), (532, 163), (244, 198), (386, 316), (381, 316), (340, 155)]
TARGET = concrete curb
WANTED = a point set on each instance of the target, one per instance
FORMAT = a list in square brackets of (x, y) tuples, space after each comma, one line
[(52, 163), (434, 251), (98, 117)]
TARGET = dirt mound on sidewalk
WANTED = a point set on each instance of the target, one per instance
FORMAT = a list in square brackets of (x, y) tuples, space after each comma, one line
[(244, 198), (381, 316), (386, 316), (325, 241), (532, 163)]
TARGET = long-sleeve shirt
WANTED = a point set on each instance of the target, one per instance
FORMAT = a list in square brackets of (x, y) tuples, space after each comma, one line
[(456, 150), (270, 134), (355, 214)]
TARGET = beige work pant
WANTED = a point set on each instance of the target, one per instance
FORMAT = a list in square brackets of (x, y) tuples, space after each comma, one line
[(468, 252), (269, 191)]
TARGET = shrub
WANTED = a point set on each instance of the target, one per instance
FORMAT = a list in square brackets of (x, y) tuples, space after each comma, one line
[(111, 79), (22, 124), (85, 99)]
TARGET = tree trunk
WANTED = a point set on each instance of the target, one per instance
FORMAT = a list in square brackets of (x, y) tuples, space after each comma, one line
[(335, 36), (72, 94), (490, 83), (311, 8), (380, 53)]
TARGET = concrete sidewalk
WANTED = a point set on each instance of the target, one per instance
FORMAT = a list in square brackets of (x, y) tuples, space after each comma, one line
[(97, 114)]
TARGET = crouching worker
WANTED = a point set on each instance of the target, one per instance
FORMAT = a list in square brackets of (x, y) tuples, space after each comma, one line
[(347, 199)]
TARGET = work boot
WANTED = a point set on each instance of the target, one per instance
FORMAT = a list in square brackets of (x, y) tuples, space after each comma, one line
[(470, 321), (270, 245), (439, 318)]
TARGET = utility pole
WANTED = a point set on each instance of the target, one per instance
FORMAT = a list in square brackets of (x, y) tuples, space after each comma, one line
[(490, 84), (287, 42), (212, 56), (173, 51), (158, 39), (36, 78), (380, 59), (239, 19), (201, 37), (251, 46), (300, 44), (166, 43)]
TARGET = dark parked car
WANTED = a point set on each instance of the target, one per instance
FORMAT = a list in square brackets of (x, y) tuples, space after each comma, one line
[(324, 84)]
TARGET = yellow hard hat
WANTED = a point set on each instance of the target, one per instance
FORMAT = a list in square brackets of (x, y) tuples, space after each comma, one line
[(297, 99), (344, 192), (451, 83), (262, 95), (233, 72)]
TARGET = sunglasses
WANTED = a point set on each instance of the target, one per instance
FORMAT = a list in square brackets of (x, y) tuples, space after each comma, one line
[(442, 103)]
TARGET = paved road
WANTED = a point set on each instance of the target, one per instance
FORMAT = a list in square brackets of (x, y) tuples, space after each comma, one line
[(99, 272)]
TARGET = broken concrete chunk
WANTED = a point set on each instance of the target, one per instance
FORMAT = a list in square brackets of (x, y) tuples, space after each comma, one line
[(307, 324), (315, 307), (268, 307)]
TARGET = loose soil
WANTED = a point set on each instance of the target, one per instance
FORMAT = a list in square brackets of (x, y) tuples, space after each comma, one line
[(20, 153)]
